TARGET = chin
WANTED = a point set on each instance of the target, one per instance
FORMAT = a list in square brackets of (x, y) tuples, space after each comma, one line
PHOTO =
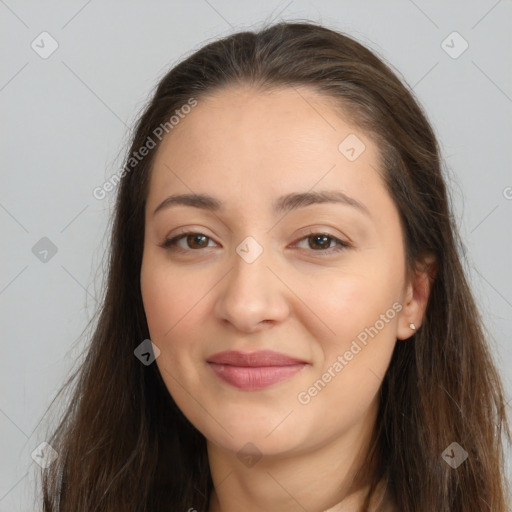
[(257, 437)]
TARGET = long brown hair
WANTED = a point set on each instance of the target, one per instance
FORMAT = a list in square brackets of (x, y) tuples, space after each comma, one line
[(123, 443)]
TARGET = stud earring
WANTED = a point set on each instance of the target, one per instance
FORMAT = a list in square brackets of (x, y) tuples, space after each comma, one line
[(412, 326)]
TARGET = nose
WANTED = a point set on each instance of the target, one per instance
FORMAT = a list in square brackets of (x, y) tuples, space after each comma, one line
[(252, 295)]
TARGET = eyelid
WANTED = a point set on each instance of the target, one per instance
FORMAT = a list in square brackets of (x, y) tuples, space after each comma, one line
[(319, 231), (340, 246), (170, 243)]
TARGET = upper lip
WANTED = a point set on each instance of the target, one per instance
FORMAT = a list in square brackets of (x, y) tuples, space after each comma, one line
[(260, 358)]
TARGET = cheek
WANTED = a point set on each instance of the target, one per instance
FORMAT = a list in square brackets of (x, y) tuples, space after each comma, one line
[(160, 308), (355, 359), (361, 312), (167, 298), (170, 319), (364, 341), (173, 308), (349, 303)]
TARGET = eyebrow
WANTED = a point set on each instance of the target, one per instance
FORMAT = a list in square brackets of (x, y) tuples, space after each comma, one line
[(283, 204)]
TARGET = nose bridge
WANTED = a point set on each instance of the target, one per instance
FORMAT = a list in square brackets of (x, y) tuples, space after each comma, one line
[(249, 277), (251, 292)]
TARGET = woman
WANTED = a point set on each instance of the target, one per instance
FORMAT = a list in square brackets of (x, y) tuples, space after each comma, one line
[(282, 235)]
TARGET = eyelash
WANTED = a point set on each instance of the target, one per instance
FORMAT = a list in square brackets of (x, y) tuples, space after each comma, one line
[(170, 243)]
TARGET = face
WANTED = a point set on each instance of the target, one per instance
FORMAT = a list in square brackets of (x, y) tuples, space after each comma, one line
[(319, 282)]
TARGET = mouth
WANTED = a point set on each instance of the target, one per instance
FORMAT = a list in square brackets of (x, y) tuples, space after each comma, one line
[(255, 370)]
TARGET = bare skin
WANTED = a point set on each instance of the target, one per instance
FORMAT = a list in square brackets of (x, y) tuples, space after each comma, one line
[(246, 148)]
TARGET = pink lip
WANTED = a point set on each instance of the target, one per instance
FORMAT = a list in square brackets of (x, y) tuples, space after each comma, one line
[(255, 370)]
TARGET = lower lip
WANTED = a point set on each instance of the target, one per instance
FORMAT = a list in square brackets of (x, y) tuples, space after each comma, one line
[(257, 377)]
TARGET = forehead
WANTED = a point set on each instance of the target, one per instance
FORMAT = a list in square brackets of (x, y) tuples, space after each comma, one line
[(248, 118), (239, 138)]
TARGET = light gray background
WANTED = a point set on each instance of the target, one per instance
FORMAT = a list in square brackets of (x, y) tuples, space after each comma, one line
[(65, 120)]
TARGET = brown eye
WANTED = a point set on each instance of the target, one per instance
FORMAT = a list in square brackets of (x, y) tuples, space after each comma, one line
[(321, 243), (198, 239), (316, 242), (194, 241)]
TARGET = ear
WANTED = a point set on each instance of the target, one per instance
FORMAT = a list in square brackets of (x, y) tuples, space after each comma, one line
[(416, 294)]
